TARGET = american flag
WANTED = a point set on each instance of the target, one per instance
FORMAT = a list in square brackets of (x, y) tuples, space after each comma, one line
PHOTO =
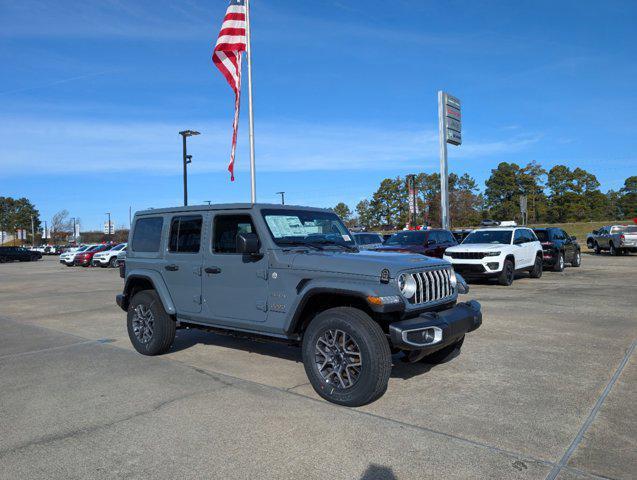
[(227, 54)]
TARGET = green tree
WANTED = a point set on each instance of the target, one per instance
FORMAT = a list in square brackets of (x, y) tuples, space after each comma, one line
[(17, 214), (365, 214), (574, 195), (389, 203), (628, 198), (342, 211)]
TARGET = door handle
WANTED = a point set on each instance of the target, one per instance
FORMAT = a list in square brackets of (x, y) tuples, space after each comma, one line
[(172, 268), (212, 270)]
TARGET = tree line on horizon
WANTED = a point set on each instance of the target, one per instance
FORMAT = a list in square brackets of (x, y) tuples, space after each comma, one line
[(559, 195)]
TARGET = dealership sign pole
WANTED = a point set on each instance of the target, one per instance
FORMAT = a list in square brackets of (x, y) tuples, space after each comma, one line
[(449, 126)]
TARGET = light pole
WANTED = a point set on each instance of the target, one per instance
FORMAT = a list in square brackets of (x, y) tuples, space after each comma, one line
[(282, 197), (186, 159), (108, 234), (74, 231)]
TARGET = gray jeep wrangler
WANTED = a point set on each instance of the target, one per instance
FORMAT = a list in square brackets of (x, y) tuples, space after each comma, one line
[(292, 274)]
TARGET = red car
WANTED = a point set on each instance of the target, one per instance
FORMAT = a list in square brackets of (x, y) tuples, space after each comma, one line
[(84, 258), (432, 243)]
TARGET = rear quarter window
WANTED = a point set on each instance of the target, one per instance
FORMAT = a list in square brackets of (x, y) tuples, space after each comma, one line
[(147, 234)]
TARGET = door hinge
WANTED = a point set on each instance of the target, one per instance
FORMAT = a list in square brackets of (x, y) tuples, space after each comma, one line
[(262, 274), (197, 299), (262, 305)]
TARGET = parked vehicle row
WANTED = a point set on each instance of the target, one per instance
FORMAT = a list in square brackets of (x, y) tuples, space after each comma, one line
[(102, 255)]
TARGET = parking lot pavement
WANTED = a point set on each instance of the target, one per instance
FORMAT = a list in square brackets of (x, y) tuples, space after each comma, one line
[(545, 389)]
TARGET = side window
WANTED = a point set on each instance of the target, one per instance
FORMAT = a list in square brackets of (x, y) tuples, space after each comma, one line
[(185, 234), (147, 234), (226, 228), (432, 238), (517, 237), (530, 235), (449, 238)]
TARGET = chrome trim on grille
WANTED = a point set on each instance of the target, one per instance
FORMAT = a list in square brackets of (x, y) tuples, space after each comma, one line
[(432, 286)]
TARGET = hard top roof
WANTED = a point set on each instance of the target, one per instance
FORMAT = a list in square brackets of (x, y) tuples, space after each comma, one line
[(227, 206)]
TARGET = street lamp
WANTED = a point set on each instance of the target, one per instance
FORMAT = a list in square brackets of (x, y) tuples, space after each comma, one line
[(74, 231), (282, 197), (186, 159)]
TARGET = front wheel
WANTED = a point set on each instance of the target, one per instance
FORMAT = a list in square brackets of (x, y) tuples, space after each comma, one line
[(614, 251), (150, 328), (506, 275), (577, 260), (346, 357), (113, 262), (597, 249), (536, 271)]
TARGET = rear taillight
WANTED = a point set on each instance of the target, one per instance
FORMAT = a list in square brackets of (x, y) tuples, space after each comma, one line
[(622, 238)]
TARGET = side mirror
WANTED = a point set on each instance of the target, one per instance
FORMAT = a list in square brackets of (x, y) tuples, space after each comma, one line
[(595, 232), (573, 237), (247, 243)]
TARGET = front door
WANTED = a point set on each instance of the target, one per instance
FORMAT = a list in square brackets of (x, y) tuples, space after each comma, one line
[(182, 265), (235, 286)]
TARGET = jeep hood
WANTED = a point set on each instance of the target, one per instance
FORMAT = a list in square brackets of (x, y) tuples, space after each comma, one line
[(477, 247), (365, 262)]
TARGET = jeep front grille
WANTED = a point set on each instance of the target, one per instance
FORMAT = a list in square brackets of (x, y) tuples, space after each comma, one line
[(466, 255), (432, 286)]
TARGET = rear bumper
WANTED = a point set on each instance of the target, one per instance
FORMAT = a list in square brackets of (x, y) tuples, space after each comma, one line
[(432, 331)]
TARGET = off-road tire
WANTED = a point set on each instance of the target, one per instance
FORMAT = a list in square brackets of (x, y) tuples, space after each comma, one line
[(374, 353), (577, 260), (536, 271), (113, 262), (163, 325), (505, 278), (558, 266), (441, 355)]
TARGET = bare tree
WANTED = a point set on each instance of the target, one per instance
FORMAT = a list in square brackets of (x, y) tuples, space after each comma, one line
[(60, 225)]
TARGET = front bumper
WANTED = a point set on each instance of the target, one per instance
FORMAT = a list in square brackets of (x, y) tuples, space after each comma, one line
[(432, 331)]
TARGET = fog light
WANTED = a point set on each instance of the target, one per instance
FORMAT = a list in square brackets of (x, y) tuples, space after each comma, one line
[(493, 265), (423, 336)]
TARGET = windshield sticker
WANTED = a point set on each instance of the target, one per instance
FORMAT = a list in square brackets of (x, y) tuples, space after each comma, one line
[(347, 238)]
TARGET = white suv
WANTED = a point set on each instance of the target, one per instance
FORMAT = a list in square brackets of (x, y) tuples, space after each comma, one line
[(108, 258), (68, 257), (497, 252)]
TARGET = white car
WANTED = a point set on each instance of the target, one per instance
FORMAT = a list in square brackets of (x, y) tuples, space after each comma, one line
[(497, 252), (108, 258), (67, 257)]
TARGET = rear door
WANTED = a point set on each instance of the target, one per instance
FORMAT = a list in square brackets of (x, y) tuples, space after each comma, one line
[(235, 286), (569, 246), (183, 261)]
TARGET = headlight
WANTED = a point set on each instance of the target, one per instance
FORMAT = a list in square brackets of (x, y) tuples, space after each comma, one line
[(454, 279), (492, 254), (407, 285)]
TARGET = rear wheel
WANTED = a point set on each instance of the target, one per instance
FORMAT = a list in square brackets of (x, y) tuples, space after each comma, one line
[(613, 250), (113, 262), (506, 275), (559, 263), (3, 259), (150, 329), (346, 357), (536, 271)]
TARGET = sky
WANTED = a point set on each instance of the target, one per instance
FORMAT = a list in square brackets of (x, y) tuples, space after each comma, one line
[(94, 93)]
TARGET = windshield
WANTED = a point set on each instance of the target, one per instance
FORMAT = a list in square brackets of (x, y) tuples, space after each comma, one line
[(407, 238), (290, 227), (542, 235), (489, 236)]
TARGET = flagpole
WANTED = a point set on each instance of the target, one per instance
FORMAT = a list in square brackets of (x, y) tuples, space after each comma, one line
[(253, 179)]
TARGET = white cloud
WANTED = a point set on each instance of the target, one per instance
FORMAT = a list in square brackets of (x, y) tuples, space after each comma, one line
[(47, 146)]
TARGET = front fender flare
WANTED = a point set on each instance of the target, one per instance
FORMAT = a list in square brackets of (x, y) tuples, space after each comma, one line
[(158, 283)]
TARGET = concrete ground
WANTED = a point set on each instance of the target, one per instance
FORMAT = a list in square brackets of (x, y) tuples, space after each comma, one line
[(547, 388)]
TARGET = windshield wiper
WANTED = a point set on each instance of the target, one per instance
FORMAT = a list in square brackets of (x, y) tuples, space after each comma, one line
[(299, 243), (325, 241)]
